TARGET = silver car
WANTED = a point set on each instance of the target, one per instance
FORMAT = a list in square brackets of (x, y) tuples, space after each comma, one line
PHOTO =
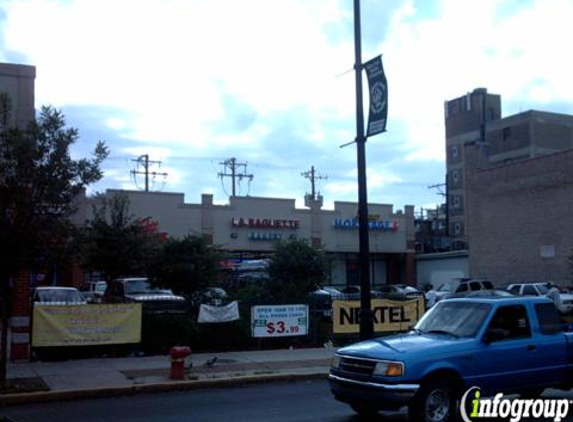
[(56, 295)]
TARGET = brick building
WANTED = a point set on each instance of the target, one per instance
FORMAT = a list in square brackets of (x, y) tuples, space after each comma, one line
[(18, 82), (477, 137), (518, 218)]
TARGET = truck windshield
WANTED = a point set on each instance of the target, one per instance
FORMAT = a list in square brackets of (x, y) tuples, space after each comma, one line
[(461, 319), (137, 286)]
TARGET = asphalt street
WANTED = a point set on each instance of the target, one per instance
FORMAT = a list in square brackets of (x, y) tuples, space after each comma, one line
[(300, 401), (285, 401)]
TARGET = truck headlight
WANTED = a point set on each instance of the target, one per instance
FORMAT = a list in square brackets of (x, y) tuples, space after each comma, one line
[(389, 369), (335, 362)]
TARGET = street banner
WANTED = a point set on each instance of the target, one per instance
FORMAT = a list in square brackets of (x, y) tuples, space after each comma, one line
[(86, 325), (389, 315), (224, 313), (279, 320), (378, 96)]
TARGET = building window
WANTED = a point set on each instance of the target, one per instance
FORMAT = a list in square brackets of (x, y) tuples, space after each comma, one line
[(457, 228), (457, 201), (455, 176), (506, 133), (455, 153)]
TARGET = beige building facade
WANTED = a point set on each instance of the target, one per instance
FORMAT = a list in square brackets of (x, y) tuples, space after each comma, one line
[(251, 226)]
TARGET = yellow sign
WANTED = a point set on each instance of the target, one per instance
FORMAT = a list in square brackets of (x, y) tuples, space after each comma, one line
[(389, 315), (86, 325)]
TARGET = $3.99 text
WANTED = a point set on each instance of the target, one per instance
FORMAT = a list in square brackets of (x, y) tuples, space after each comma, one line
[(280, 328)]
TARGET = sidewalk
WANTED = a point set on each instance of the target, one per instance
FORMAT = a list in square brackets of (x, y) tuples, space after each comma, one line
[(118, 376)]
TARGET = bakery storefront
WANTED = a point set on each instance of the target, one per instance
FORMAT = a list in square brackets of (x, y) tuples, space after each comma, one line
[(249, 227)]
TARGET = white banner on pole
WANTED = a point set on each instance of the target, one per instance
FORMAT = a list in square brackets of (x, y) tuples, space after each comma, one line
[(225, 313)]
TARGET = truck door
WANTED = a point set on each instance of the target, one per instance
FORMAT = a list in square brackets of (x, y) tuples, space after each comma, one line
[(551, 345), (511, 356)]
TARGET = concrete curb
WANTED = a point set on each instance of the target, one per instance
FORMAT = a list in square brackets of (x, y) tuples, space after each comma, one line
[(53, 396)]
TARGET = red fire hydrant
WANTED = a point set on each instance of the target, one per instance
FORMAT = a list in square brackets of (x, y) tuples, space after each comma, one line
[(178, 355)]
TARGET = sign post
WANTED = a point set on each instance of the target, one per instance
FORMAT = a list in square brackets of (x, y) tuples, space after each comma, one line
[(366, 322), (377, 124)]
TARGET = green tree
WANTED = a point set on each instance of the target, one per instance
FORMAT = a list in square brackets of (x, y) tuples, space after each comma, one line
[(39, 181), (187, 265), (115, 243), (295, 270)]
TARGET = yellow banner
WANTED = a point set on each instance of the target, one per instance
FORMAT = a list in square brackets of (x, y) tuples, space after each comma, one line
[(86, 325), (389, 315)]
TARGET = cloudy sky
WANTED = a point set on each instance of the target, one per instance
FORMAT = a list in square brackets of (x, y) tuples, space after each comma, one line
[(193, 83)]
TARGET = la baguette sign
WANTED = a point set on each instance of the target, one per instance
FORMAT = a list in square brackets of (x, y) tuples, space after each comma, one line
[(265, 223)]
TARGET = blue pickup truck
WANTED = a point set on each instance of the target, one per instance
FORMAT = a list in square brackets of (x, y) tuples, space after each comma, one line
[(515, 345)]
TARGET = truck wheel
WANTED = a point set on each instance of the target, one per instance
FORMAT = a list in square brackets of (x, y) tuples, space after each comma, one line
[(364, 410), (434, 402)]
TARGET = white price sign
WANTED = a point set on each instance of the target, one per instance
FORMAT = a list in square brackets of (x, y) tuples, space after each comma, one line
[(279, 320)]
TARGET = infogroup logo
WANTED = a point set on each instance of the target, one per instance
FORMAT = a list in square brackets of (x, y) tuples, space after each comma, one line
[(513, 409)]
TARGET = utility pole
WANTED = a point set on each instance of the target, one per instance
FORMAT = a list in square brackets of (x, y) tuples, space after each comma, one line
[(366, 318), (233, 166), (145, 162), (311, 175), (438, 187)]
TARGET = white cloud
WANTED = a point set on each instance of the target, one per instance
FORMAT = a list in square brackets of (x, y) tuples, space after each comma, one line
[(471, 45), (166, 62), (219, 78)]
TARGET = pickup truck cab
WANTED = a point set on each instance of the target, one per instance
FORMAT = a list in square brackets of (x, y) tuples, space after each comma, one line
[(139, 290), (498, 344)]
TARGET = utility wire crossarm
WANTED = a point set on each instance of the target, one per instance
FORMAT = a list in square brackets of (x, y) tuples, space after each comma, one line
[(234, 168), (145, 162), (313, 177)]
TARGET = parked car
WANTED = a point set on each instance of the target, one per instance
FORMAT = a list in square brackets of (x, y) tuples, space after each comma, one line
[(210, 296), (462, 285), (541, 289), (352, 292), (457, 345), (333, 291), (57, 295), (139, 290), (399, 291), (320, 301), (482, 293), (94, 291)]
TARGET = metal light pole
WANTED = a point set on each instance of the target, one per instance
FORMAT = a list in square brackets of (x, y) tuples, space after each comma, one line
[(366, 320)]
